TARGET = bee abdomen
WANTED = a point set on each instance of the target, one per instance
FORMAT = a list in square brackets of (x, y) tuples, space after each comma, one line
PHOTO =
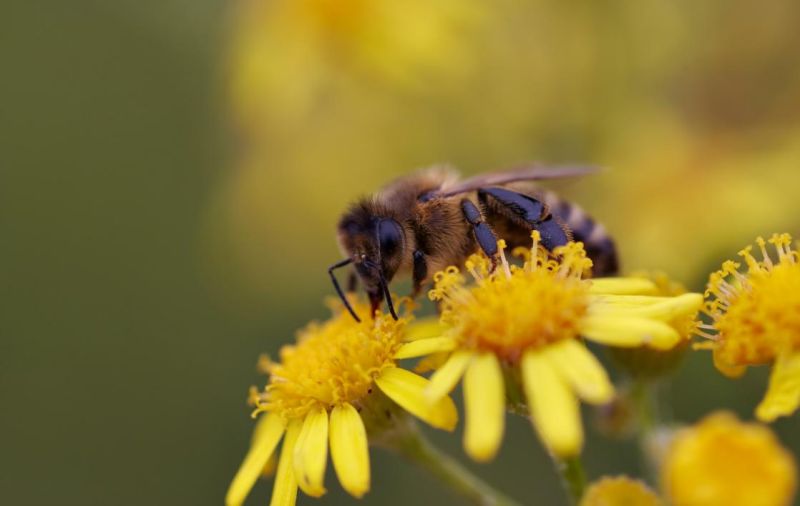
[(599, 245)]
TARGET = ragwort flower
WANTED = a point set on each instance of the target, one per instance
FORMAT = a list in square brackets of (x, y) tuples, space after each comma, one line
[(620, 491), (722, 461), (524, 325), (336, 385), (755, 319)]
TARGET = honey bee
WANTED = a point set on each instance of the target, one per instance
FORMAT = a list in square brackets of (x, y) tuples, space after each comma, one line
[(424, 222)]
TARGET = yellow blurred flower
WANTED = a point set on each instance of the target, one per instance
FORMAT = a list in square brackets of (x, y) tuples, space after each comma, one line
[(755, 319), (722, 461), (526, 322), (619, 491), (287, 56), (329, 389)]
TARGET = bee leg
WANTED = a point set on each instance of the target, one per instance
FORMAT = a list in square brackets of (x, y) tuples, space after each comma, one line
[(526, 209), (352, 282), (514, 204), (420, 272), (553, 233), (483, 232)]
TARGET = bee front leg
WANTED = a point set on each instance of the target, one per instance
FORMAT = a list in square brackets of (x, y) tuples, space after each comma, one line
[(484, 234), (420, 272), (352, 282)]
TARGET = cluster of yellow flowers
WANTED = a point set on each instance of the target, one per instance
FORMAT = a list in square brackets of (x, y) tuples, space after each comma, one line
[(516, 337)]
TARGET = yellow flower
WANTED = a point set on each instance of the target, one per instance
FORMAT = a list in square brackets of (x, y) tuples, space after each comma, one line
[(287, 54), (722, 461), (523, 325), (620, 491), (338, 382), (755, 319)]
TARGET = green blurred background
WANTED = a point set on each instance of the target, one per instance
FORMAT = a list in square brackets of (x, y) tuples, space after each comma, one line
[(172, 173)]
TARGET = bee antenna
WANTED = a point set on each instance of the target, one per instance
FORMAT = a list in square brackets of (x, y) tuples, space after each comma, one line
[(387, 295), (339, 288)]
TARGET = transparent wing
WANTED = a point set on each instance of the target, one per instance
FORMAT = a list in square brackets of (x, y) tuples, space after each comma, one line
[(527, 173)]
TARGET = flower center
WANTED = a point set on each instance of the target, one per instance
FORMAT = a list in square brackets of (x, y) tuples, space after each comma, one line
[(333, 362), (516, 308), (757, 314)]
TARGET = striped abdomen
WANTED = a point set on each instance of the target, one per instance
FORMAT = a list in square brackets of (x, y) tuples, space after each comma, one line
[(599, 245)]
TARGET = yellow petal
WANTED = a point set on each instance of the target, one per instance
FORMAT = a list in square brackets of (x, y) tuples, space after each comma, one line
[(311, 453), (445, 379), (609, 302), (662, 308), (266, 436), (422, 347), (581, 370), (284, 492), (783, 393), (629, 332), (349, 450), (623, 286), (555, 411), (407, 389), (484, 407), (424, 328)]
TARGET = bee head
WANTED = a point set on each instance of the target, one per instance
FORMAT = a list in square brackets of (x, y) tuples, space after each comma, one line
[(374, 243)]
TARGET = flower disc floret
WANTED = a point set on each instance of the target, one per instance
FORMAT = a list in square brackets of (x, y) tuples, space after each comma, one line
[(332, 363), (535, 305)]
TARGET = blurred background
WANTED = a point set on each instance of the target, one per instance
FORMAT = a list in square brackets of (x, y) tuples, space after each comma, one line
[(172, 174)]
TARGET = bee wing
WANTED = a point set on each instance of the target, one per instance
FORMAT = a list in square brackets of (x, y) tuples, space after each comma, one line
[(527, 173)]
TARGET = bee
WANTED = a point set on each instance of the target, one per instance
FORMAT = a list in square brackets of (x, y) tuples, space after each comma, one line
[(422, 223)]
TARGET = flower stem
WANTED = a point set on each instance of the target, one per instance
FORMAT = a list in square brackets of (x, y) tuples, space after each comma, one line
[(645, 399), (415, 447), (573, 476)]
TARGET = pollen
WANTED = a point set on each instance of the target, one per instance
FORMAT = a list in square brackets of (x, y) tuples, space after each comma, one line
[(334, 362), (516, 308), (755, 313)]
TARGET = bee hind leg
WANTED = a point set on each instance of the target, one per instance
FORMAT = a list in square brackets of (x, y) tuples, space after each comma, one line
[(484, 234), (525, 211)]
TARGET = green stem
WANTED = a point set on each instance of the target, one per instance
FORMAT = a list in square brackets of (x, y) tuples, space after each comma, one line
[(573, 476), (646, 407), (415, 447), (645, 401)]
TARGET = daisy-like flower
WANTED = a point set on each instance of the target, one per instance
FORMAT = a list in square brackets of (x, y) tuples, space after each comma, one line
[(524, 325), (339, 383), (620, 491), (755, 319), (724, 461)]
